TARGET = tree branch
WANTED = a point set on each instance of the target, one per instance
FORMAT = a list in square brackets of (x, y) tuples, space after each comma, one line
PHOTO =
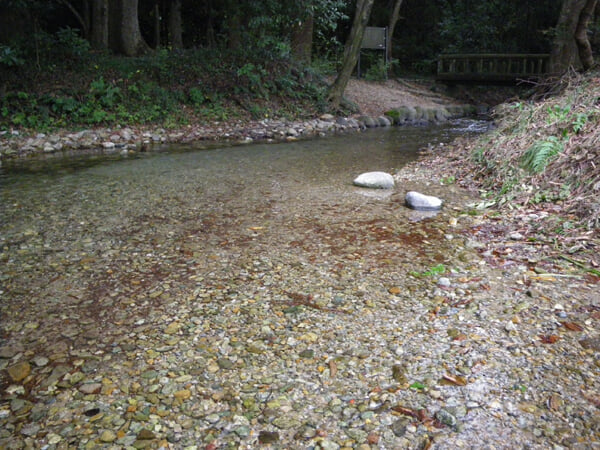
[(77, 15)]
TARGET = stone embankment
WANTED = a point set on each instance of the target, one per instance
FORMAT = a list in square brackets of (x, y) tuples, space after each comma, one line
[(131, 139)]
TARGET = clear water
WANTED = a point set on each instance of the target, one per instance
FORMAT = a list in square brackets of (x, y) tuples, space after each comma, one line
[(85, 203)]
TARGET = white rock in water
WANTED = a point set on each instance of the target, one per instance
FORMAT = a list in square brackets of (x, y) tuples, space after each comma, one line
[(422, 202), (375, 180)]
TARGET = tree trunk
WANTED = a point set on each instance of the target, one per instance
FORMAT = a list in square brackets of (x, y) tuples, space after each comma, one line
[(156, 15), (302, 39), (87, 18), (211, 40), (392, 25), (351, 50), (125, 36), (99, 25), (564, 52), (175, 25), (581, 37), (234, 32)]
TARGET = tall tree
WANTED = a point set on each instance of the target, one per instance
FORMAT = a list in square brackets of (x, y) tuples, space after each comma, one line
[(125, 35), (99, 25), (392, 26), (581, 34), (302, 37), (571, 45), (351, 50), (175, 24)]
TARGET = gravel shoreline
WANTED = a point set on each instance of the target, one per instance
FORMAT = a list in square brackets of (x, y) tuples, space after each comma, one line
[(133, 139)]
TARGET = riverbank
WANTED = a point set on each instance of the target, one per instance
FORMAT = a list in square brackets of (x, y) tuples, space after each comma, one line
[(373, 100)]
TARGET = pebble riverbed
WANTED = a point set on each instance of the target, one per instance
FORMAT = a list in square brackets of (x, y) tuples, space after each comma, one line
[(264, 307)]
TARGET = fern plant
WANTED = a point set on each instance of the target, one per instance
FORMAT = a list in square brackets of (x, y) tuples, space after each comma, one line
[(537, 157)]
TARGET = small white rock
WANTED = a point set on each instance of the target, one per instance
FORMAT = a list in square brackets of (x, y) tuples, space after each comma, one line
[(375, 180), (422, 202), (444, 282)]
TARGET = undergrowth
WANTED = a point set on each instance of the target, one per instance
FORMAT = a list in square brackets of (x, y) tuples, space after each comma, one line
[(546, 150), (168, 88)]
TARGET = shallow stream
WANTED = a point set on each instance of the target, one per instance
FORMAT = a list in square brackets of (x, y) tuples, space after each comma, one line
[(132, 284)]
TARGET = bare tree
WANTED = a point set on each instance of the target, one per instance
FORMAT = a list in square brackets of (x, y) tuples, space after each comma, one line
[(351, 49)]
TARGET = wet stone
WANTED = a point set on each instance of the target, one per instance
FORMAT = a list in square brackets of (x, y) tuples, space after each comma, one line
[(19, 371), (308, 353), (286, 423), (268, 437), (446, 418), (90, 388), (146, 434), (225, 363), (108, 436), (9, 351), (399, 426)]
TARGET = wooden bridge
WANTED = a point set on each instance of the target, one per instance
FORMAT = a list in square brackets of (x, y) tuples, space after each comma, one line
[(491, 68)]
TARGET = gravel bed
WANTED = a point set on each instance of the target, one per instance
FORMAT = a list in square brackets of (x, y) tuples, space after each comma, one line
[(149, 314)]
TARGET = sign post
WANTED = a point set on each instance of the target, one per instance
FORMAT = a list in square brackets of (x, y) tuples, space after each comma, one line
[(375, 38)]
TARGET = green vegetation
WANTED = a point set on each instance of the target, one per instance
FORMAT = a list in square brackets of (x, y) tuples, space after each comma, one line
[(540, 153), (169, 88), (546, 151), (435, 270)]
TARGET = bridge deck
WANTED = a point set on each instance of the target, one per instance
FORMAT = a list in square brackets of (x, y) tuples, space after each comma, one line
[(491, 68)]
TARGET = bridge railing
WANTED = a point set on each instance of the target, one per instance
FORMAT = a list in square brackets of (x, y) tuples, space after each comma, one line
[(491, 67)]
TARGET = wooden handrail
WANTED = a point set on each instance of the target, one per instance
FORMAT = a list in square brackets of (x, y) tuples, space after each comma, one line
[(491, 67)]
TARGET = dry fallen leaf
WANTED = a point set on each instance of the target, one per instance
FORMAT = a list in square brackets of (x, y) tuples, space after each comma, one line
[(572, 326), (332, 369), (420, 415), (549, 338), (454, 379)]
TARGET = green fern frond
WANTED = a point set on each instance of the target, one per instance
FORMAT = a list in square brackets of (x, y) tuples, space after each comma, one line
[(537, 157)]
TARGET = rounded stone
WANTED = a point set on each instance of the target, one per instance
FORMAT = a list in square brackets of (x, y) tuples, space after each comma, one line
[(422, 202), (19, 371), (108, 436), (375, 180)]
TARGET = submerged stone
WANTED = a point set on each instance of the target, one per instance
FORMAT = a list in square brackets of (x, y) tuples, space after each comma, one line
[(422, 202), (375, 180)]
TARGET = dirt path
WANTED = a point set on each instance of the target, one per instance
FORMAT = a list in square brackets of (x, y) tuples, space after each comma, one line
[(374, 98)]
